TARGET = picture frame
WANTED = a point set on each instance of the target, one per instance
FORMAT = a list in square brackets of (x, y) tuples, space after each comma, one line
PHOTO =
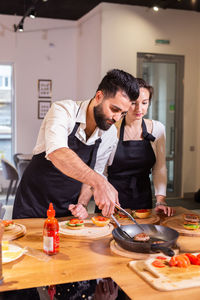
[(43, 107), (44, 88)]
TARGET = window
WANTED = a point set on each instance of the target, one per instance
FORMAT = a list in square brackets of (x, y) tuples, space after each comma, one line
[(6, 105)]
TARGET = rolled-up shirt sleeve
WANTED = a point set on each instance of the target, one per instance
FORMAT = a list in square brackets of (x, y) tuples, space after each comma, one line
[(159, 171), (57, 127)]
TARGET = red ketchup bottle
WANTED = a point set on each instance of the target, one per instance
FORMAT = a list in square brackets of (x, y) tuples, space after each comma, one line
[(51, 233)]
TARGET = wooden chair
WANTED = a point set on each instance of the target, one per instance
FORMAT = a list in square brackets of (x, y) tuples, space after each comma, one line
[(10, 173)]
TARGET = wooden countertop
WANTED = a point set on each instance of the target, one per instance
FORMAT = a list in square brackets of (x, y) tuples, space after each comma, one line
[(79, 259)]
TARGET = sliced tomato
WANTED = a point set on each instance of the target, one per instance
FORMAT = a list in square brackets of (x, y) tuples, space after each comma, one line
[(173, 262), (158, 264), (161, 257), (121, 215), (142, 210), (7, 222), (182, 261), (75, 221), (194, 260), (100, 218), (198, 256)]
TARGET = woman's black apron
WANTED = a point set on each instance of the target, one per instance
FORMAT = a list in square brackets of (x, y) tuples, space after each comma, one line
[(43, 183), (129, 172)]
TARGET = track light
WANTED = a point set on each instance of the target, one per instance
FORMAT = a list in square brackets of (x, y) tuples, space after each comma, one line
[(32, 13), (156, 8), (21, 27)]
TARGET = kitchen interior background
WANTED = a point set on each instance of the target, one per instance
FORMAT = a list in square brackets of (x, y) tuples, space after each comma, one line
[(75, 55)]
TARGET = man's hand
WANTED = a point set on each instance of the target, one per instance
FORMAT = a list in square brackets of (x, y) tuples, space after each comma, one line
[(105, 196), (78, 211)]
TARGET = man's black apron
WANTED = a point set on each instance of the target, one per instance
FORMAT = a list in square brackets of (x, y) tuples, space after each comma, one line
[(129, 172), (43, 183)]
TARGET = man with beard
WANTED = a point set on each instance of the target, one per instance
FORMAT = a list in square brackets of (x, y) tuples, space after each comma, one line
[(73, 145)]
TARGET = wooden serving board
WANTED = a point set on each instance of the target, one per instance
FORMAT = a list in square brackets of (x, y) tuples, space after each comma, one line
[(151, 219), (177, 224), (14, 233), (167, 278), (89, 230), (115, 248)]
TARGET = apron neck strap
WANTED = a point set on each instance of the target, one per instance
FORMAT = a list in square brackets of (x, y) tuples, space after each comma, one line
[(145, 134), (121, 134), (94, 153)]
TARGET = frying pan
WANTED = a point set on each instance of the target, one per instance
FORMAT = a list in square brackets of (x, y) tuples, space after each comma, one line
[(165, 234)]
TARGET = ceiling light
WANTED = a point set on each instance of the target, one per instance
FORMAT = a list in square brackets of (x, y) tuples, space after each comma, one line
[(155, 8), (32, 13), (21, 27)]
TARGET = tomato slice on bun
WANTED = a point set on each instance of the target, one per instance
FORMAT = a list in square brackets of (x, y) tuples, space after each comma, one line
[(100, 221), (75, 224)]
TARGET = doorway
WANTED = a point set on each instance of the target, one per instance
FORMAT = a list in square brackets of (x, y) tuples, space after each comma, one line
[(6, 111), (165, 73)]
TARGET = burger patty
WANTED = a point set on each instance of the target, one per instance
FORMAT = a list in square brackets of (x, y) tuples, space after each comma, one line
[(191, 218), (141, 237)]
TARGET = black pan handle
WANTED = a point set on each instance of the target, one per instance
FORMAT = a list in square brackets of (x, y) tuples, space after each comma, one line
[(167, 251)]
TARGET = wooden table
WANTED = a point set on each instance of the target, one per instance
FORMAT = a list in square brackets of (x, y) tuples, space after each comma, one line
[(79, 259)]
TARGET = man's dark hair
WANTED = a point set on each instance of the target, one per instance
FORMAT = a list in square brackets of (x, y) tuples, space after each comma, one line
[(142, 84), (118, 80)]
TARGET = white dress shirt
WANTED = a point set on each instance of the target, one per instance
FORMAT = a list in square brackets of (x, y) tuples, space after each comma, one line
[(159, 170), (59, 123)]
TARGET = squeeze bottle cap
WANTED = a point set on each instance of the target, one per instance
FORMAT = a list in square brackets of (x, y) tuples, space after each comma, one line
[(50, 211)]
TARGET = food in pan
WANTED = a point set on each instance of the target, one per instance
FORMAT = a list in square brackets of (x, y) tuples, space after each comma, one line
[(141, 237), (8, 224), (157, 242), (75, 224), (191, 221), (100, 221), (141, 213)]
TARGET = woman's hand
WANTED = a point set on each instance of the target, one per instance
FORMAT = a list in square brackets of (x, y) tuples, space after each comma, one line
[(78, 210), (169, 211)]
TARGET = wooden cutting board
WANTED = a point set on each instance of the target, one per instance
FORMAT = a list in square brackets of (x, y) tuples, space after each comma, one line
[(151, 219), (14, 233), (167, 278), (89, 230), (177, 224), (116, 249)]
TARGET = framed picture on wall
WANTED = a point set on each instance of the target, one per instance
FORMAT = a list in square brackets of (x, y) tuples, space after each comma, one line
[(43, 107), (44, 88)]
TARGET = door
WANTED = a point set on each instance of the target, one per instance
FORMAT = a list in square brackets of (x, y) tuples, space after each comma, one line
[(165, 73), (6, 111)]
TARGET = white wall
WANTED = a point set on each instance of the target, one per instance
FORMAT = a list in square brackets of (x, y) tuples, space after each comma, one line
[(77, 55), (45, 50), (89, 54), (127, 30)]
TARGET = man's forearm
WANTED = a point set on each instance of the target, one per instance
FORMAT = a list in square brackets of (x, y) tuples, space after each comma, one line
[(68, 162)]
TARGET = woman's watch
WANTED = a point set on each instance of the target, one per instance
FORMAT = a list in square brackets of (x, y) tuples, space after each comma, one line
[(161, 203)]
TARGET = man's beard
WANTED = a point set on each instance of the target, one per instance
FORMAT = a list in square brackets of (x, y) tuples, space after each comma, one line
[(100, 118)]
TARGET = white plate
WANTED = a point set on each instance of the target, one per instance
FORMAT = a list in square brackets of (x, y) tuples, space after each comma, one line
[(12, 249)]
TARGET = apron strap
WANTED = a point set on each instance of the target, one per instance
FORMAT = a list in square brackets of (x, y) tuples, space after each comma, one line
[(94, 153), (95, 149), (121, 135), (145, 134)]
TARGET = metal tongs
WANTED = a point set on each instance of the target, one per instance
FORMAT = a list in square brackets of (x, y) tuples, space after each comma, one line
[(130, 217)]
